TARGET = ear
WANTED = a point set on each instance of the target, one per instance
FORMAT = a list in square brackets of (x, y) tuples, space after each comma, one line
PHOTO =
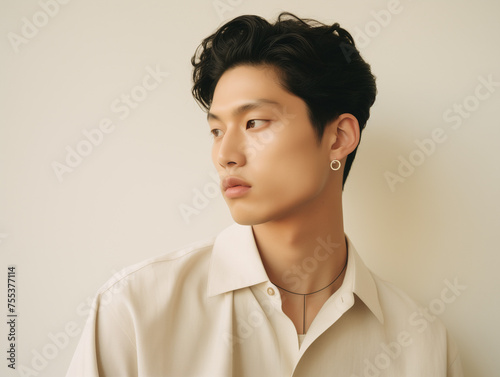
[(345, 132)]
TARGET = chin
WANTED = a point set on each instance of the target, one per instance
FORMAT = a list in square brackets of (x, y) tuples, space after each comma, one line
[(245, 219), (246, 216), (253, 215)]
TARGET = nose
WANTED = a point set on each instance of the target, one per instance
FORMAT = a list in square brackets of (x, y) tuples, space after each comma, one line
[(231, 149)]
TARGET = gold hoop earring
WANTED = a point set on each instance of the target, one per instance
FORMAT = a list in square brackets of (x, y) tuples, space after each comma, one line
[(337, 167)]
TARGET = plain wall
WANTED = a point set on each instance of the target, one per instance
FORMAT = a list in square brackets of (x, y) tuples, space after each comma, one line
[(122, 202)]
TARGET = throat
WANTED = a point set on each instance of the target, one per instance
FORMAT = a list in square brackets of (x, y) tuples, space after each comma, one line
[(303, 309), (295, 304)]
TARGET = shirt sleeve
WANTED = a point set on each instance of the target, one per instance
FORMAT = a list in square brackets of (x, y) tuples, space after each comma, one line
[(107, 347)]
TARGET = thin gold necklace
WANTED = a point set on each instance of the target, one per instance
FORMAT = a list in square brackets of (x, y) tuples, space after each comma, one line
[(311, 293)]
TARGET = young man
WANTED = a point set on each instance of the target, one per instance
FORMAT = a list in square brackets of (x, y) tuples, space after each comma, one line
[(282, 291)]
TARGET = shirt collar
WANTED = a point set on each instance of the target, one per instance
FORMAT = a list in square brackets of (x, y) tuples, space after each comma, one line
[(236, 263), (359, 280)]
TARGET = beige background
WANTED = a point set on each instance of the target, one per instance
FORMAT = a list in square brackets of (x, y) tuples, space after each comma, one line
[(122, 202)]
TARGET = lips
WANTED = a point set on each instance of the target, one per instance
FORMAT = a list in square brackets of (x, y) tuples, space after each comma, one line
[(233, 182)]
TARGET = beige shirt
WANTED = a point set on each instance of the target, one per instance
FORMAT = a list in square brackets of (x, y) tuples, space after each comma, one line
[(209, 309)]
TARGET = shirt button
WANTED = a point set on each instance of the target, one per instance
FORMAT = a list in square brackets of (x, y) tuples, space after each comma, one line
[(270, 291)]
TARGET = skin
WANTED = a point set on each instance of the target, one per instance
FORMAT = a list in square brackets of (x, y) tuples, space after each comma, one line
[(262, 134)]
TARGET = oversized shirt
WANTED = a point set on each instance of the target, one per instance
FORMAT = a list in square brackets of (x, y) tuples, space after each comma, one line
[(210, 310)]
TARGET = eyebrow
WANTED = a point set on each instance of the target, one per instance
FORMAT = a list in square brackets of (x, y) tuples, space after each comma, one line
[(245, 107)]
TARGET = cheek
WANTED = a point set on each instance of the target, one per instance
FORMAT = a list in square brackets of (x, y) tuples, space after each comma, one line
[(214, 157), (290, 168), (216, 162)]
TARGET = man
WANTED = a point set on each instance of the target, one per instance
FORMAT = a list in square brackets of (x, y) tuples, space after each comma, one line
[(282, 291)]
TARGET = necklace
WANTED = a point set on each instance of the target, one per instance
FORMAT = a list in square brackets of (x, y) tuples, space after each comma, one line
[(311, 293)]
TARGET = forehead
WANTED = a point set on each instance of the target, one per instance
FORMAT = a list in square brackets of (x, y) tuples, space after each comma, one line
[(247, 87)]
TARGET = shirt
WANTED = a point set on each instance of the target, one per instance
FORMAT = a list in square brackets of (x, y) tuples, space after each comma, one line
[(210, 310)]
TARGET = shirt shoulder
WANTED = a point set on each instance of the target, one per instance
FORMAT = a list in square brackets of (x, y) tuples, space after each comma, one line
[(397, 305), (394, 299), (132, 306), (169, 265), (420, 324)]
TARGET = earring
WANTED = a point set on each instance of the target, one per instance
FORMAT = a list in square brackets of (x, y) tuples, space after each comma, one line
[(336, 162)]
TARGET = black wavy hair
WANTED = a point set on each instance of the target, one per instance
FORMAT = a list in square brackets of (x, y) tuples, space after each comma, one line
[(316, 62)]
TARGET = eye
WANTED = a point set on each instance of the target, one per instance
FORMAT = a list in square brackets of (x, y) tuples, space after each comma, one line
[(252, 123), (215, 132)]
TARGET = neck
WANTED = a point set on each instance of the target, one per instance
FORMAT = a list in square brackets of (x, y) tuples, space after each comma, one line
[(304, 252)]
